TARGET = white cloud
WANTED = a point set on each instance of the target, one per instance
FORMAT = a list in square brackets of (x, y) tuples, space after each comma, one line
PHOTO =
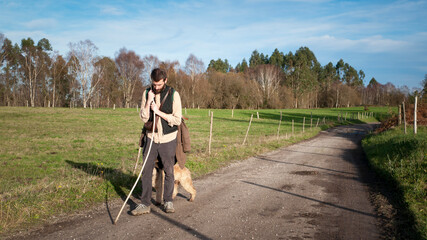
[(110, 10), (42, 23), (371, 44)]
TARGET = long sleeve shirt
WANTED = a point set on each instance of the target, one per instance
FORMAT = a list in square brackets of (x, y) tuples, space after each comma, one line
[(172, 119)]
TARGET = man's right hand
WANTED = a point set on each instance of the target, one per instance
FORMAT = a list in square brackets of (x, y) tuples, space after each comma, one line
[(150, 97)]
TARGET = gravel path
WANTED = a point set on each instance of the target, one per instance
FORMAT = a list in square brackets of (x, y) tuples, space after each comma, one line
[(316, 189)]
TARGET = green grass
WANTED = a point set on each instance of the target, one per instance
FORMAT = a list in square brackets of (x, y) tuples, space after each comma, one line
[(58, 161), (401, 160)]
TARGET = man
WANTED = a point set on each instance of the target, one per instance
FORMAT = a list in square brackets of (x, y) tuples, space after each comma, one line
[(164, 138)]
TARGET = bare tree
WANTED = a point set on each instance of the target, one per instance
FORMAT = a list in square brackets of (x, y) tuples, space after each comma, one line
[(150, 62), (83, 67), (130, 67), (268, 77), (195, 68), (34, 60)]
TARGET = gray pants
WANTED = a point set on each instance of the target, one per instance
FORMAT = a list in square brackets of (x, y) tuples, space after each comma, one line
[(166, 154)]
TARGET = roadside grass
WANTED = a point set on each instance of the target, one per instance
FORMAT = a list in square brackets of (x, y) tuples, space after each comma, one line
[(58, 161), (401, 160)]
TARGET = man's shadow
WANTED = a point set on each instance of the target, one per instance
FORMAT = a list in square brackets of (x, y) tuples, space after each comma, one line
[(117, 178)]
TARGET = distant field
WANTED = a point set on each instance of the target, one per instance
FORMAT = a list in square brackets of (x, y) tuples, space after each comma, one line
[(56, 161)]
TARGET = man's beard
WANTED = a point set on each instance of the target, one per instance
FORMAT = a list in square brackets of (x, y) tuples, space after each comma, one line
[(160, 90)]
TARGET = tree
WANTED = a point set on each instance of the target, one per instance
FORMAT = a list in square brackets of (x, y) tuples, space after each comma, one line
[(277, 58), (255, 59), (150, 62), (84, 55), (129, 67), (301, 73), (219, 65), (268, 77), (242, 67), (34, 59), (2, 48), (424, 91), (59, 79), (10, 71), (109, 92), (327, 77), (195, 68), (373, 91)]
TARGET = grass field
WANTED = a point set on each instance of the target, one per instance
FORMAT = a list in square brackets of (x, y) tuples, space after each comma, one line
[(58, 161), (401, 160)]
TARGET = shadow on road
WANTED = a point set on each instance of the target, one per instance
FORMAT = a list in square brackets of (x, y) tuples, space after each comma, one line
[(313, 199)]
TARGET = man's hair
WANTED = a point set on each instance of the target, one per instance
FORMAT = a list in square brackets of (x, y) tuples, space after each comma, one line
[(158, 74)]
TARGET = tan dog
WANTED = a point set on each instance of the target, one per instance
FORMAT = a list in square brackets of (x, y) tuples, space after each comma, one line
[(182, 176)]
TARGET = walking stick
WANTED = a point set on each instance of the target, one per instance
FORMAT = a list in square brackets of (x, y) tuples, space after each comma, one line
[(137, 160), (143, 165)]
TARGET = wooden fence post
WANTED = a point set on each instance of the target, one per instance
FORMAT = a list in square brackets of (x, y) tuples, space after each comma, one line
[(114, 106), (404, 116), (317, 124), (303, 124), (415, 114), (185, 110), (292, 127), (210, 133), (280, 121), (257, 115), (399, 119), (247, 132), (232, 113)]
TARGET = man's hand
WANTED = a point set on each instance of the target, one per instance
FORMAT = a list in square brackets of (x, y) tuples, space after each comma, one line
[(150, 97), (155, 108)]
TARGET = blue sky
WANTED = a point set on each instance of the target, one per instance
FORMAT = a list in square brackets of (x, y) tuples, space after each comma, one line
[(385, 39)]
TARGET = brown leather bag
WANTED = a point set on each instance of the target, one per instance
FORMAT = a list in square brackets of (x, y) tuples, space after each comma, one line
[(149, 124)]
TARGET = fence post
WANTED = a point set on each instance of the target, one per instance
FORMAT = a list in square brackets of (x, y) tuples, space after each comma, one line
[(317, 124), (292, 127), (114, 107), (399, 119), (303, 124), (210, 133), (404, 116), (232, 113), (247, 132), (415, 114), (280, 121), (185, 110), (257, 115)]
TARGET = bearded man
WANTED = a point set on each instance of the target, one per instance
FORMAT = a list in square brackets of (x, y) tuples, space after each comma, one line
[(165, 102)]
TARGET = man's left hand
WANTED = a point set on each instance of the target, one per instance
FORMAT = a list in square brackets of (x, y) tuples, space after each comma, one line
[(155, 108)]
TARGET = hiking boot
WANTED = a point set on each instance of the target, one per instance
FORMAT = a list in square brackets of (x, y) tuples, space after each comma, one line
[(140, 209), (169, 207)]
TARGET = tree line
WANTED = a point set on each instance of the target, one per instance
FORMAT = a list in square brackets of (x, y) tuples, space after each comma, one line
[(32, 74)]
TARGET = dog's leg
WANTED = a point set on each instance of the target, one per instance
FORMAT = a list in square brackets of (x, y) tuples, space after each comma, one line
[(187, 184), (175, 189)]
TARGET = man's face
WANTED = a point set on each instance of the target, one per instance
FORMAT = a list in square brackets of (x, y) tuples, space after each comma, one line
[(159, 86)]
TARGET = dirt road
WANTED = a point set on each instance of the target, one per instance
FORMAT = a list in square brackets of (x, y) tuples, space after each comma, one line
[(316, 189)]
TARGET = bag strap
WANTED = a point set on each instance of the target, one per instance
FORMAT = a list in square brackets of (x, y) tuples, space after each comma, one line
[(164, 99)]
